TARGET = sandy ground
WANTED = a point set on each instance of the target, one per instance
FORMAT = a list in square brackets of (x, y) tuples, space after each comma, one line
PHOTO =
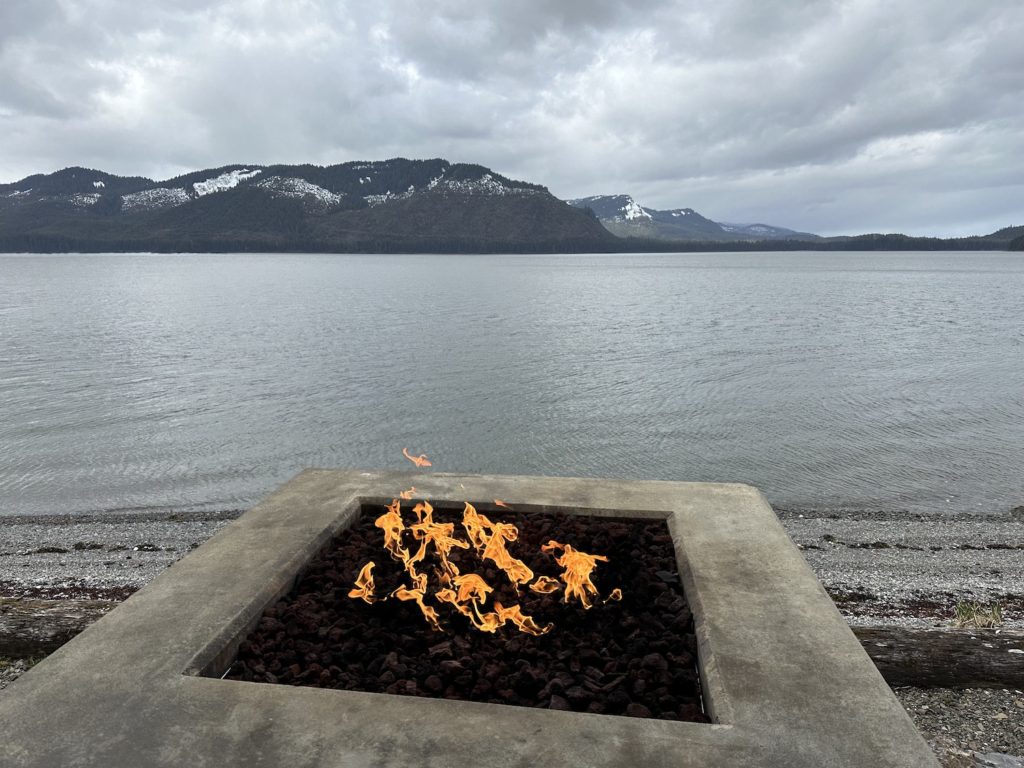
[(879, 568)]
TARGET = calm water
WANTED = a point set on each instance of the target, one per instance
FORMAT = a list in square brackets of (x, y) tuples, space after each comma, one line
[(877, 380)]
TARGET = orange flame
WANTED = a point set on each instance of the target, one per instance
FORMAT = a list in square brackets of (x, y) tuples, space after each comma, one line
[(491, 622), (419, 461), (476, 526), (467, 593), (391, 523), (516, 570), (472, 588), (364, 585), (417, 593), (428, 533), (489, 540), (577, 567), (424, 512), (472, 593), (545, 585)]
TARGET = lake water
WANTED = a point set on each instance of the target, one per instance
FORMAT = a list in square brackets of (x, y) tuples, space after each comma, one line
[(867, 380)]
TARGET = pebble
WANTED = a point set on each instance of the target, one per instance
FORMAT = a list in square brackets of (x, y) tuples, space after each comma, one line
[(938, 560), (11, 669), (961, 726), (95, 555), (927, 556)]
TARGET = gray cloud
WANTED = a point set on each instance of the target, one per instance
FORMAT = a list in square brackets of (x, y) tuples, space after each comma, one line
[(827, 116)]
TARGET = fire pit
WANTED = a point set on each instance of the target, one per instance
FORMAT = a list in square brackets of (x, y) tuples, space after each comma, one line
[(626, 646), (782, 679)]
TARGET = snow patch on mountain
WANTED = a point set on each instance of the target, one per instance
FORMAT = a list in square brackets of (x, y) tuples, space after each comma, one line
[(631, 211), (621, 215), (766, 230), (98, 184), (388, 197), (485, 185), (294, 187), (152, 199), (224, 182), (83, 200)]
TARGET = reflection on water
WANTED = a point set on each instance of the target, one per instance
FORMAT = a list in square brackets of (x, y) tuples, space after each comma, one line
[(877, 380)]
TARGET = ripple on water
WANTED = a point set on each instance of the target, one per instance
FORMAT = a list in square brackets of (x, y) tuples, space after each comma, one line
[(880, 380)]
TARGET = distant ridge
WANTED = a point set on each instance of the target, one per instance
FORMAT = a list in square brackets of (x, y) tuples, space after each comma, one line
[(389, 205), (396, 205), (623, 216), (684, 229)]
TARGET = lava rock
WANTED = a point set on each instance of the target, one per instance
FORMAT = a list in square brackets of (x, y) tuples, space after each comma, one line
[(632, 657), (637, 710)]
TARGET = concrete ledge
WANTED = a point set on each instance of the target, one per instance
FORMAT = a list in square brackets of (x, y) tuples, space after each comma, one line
[(785, 679)]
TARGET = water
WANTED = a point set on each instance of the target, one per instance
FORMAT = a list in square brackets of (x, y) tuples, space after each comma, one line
[(878, 380)]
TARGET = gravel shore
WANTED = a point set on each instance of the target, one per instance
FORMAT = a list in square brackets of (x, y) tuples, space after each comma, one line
[(960, 725), (880, 568), (913, 572), (96, 557), (910, 572)]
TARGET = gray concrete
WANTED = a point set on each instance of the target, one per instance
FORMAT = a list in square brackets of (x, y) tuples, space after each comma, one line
[(786, 681)]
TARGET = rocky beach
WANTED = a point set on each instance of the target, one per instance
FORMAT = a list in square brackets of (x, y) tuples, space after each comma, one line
[(882, 569)]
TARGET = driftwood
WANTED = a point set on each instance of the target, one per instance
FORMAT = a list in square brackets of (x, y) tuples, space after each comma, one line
[(37, 627), (946, 658), (938, 658)]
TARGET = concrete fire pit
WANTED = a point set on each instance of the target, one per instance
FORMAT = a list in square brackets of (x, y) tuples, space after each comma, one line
[(784, 680)]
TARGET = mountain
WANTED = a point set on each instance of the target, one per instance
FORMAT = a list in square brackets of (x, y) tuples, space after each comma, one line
[(390, 205), (393, 205), (1000, 240), (623, 216), (766, 232), (1005, 238)]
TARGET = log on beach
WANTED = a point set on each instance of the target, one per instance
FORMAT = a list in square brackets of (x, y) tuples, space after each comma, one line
[(939, 657), (946, 657), (31, 627)]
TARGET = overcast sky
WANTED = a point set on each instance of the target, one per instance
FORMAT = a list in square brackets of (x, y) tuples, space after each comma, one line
[(831, 117)]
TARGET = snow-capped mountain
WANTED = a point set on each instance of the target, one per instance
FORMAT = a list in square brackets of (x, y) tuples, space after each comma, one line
[(382, 203), (765, 231), (394, 205), (224, 182), (623, 216), (354, 184)]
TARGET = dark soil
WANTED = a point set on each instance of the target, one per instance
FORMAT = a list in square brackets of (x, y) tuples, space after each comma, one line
[(635, 657)]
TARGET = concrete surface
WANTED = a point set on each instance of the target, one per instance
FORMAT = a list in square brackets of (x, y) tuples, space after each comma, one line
[(785, 679)]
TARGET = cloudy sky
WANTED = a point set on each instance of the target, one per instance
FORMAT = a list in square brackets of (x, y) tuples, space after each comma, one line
[(835, 117)]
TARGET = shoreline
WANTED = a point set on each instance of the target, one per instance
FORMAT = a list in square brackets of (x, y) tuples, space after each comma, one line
[(169, 514), (1008, 513), (864, 514), (881, 569)]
